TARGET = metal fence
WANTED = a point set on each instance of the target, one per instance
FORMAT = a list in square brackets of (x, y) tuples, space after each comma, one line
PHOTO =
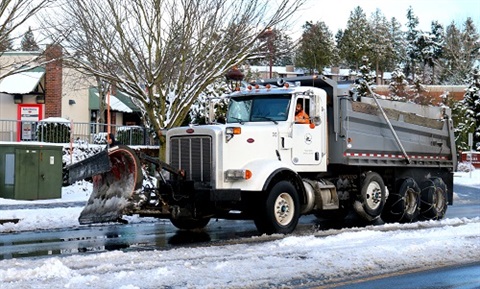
[(64, 132)]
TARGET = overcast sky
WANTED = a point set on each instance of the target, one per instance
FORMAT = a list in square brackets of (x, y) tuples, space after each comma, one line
[(336, 13)]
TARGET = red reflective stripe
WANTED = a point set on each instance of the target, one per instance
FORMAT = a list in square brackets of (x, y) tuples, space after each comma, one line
[(377, 155)]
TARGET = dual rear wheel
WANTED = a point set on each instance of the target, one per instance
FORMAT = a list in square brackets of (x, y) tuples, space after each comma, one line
[(403, 205), (406, 203)]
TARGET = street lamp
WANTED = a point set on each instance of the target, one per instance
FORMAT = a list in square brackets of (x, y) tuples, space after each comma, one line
[(234, 77)]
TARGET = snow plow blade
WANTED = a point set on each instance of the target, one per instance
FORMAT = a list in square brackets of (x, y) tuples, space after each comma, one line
[(112, 190), (94, 165)]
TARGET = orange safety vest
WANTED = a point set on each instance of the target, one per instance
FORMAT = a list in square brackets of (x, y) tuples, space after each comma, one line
[(301, 117)]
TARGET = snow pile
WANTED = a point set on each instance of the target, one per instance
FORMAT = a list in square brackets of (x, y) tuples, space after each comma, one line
[(318, 259)]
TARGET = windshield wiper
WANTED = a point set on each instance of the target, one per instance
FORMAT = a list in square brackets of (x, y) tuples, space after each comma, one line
[(241, 121), (266, 117)]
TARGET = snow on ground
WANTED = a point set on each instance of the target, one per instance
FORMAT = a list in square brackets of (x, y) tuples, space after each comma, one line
[(349, 253)]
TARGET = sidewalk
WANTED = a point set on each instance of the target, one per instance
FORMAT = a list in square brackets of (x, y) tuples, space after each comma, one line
[(24, 206)]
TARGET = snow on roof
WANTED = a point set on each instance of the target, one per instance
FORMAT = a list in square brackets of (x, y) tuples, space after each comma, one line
[(56, 119), (341, 71), (116, 104), (277, 69), (21, 83)]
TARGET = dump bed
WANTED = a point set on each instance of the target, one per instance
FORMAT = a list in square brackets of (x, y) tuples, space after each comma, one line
[(396, 133), (381, 132)]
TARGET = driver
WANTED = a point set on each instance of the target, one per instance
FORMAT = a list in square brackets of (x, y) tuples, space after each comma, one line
[(300, 115)]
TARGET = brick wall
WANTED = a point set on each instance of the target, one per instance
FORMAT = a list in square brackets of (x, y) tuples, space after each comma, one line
[(53, 81)]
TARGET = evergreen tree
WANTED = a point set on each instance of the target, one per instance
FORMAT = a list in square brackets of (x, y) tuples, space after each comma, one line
[(285, 49), (381, 46), (419, 93), (471, 43), (460, 53), (472, 103), (355, 41), (438, 37), (316, 48), (398, 87), (398, 46), (413, 52), (452, 62), (279, 46), (430, 46), (367, 75), (28, 41), (461, 123)]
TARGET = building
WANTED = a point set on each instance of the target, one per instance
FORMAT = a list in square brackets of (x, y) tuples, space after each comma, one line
[(45, 88), (263, 71)]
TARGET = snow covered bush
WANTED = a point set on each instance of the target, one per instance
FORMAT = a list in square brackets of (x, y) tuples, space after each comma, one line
[(100, 138), (465, 167), (53, 131)]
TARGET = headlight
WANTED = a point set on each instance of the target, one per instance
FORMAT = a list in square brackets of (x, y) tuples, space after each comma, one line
[(230, 131), (234, 175)]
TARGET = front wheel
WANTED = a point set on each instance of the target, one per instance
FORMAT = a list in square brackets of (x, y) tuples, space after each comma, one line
[(281, 210)]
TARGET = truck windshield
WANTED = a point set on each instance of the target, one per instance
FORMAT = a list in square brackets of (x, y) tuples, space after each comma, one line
[(258, 108)]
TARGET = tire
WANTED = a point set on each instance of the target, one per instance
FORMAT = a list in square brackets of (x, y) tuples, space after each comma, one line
[(372, 197), (434, 201), (280, 211), (403, 205), (190, 224)]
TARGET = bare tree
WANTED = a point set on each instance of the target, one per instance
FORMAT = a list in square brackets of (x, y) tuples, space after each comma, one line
[(164, 53), (14, 14)]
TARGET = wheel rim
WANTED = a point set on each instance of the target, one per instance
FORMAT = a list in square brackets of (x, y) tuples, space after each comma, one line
[(438, 200), (411, 202), (373, 195), (284, 209)]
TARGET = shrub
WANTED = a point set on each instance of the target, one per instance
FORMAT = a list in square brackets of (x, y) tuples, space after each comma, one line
[(53, 132), (131, 135), (465, 167)]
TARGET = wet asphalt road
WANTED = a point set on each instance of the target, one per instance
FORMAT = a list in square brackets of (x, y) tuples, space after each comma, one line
[(161, 235), (459, 277)]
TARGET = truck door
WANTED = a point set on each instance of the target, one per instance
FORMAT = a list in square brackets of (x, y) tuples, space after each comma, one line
[(308, 147)]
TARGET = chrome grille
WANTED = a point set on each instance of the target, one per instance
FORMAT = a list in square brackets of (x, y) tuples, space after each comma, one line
[(193, 155)]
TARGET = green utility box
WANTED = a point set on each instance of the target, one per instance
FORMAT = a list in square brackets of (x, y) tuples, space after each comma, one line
[(30, 171)]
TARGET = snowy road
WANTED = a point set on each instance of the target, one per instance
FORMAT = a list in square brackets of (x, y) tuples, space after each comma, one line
[(229, 254), (317, 259), (161, 235)]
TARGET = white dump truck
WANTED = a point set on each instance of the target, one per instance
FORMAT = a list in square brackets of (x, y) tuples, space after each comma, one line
[(379, 158)]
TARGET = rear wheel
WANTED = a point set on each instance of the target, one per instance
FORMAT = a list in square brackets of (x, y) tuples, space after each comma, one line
[(403, 205), (372, 197), (190, 224), (433, 199), (280, 211)]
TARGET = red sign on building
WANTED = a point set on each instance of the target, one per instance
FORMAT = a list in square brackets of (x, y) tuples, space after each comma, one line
[(473, 157)]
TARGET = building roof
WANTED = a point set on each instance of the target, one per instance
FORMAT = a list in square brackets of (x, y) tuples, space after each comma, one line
[(22, 82), (276, 69), (119, 102)]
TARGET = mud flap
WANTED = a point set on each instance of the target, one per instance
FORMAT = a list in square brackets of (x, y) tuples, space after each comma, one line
[(113, 189)]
